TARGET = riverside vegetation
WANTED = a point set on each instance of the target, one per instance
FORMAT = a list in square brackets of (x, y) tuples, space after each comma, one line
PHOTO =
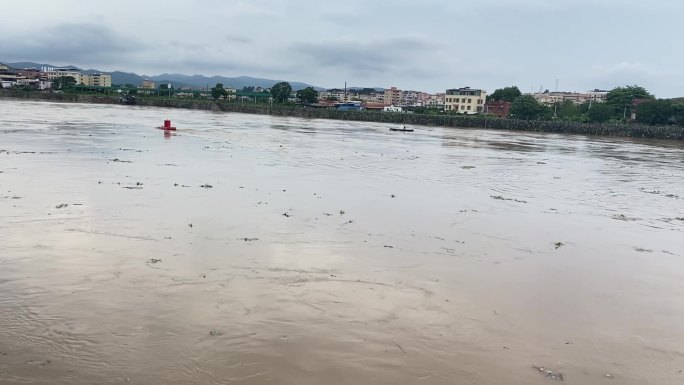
[(541, 124)]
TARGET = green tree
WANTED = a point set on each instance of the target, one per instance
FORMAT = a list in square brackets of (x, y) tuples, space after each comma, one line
[(621, 98), (528, 108), (366, 91), (307, 95), (506, 94), (678, 113), (63, 82), (281, 92), (218, 92), (659, 111), (600, 113), (568, 110)]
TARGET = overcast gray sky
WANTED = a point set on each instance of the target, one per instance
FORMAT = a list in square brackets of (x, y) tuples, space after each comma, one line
[(425, 45)]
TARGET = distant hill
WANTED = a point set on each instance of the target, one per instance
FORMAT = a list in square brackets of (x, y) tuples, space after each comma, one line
[(29, 64), (179, 80), (232, 82)]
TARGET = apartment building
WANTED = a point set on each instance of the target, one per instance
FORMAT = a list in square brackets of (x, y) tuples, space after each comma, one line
[(98, 80), (56, 72), (392, 96), (414, 98), (551, 98), (375, 98), (465, 100), (148, 84), (435, 100), (334, 94)]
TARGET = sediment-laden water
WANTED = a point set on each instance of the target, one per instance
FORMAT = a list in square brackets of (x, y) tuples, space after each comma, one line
[(247, 249)]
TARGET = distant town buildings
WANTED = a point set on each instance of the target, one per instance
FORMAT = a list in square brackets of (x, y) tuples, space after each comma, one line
[(42, 78), (97, 80), (148, 84), (333, 94), (551, 98), (465, 100)]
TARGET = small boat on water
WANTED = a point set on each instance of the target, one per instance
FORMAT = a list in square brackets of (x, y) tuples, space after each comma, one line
[(402, 129)]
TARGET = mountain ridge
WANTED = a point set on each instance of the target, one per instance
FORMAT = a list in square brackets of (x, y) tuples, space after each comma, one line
[(178, 80)]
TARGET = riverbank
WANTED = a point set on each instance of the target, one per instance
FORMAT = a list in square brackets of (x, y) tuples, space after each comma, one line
[(628, 130)]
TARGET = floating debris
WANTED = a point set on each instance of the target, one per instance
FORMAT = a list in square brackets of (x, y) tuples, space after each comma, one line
[(642, 250), (249, 239), (215, 333), (558, 244), (61, 206), (341, 212), (501, 198), (623, 217), (206, 185), (658, 192), (549, 373), (467, 167), (154, 260)]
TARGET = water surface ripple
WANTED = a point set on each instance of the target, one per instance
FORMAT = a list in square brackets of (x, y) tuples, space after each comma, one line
[(248, 249)]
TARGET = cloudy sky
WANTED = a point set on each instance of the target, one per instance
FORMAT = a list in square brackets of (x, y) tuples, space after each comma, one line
[(425, 45)]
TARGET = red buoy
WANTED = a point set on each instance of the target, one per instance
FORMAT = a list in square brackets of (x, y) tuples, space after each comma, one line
[(167, 126)]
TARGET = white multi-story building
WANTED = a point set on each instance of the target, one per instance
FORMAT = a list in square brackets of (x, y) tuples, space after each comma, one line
[(54, 72), (372, 98), (435, 100), (551, 98), (334, 94), (465, 100)]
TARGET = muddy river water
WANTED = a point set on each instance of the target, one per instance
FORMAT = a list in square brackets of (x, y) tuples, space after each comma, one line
[(246, 249)]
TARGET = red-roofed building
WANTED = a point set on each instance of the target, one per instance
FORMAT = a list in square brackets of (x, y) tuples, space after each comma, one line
[(498, 108)]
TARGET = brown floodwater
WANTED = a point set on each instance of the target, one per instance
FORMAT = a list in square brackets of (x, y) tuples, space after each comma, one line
[(247, 249)]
